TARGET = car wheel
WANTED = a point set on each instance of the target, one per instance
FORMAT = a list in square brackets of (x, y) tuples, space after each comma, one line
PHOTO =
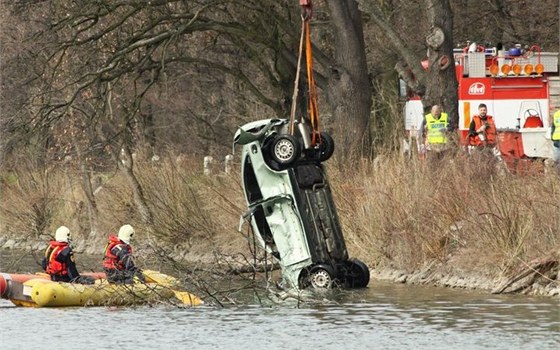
[(326, 147), (321, 278), (357, 275), (284, 149)]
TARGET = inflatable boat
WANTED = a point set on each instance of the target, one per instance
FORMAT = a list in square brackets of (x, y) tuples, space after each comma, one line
[(37, 290)]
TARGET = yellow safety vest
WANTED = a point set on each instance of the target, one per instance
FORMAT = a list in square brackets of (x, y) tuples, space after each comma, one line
[(436, 128), (556, 121)]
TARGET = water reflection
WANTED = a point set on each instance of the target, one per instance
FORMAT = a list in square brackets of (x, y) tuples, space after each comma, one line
[(386, 316)]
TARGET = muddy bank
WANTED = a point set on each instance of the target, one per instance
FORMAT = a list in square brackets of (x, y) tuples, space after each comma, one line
[(540, 278), (529, 282)]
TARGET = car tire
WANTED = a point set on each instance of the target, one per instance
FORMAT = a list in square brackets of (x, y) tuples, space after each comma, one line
[(326, 147), (321, 277), (357, 274), (284, 150)]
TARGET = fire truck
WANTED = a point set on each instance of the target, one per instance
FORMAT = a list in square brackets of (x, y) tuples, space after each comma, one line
[(521, 88)]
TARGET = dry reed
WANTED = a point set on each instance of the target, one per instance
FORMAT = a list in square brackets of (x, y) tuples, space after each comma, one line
[(393, 210)]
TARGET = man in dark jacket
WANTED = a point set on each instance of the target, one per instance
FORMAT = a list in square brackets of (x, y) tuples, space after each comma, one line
[(118, 263), (59, 260)]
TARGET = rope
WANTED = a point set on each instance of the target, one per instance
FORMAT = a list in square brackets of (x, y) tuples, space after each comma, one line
[(313, 107), (294, 97)]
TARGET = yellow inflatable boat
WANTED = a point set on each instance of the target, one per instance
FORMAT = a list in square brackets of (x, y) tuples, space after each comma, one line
[(40, 292)]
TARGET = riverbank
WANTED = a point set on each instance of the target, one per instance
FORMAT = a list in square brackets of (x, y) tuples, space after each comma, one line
[(442, 276), (232, 258)]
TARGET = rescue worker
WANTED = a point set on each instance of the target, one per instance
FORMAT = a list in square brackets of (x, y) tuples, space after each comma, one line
[(555, 136), (59, 260), (482, 137), (118, 263), (482, 132), (434, 128)]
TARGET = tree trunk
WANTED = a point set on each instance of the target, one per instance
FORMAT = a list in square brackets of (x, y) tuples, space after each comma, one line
[(349, 89), (126, 165), (2, 147), (545, 268), (441, 82), (148, 128), (85, 183)]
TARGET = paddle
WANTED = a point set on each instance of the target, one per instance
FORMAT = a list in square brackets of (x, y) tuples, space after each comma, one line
[(169, 281), (188, 298)]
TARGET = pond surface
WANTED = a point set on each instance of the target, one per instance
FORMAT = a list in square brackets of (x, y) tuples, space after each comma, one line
[(383, 316)]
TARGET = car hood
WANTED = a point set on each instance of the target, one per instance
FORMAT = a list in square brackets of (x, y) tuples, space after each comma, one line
[(255, 130)]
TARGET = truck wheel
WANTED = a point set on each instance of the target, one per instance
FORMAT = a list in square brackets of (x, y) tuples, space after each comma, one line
[(357, 274), (326, 148), (284, 149)]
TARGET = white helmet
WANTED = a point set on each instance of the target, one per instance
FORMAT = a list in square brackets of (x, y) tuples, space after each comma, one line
[(125, 233), (62, 234)]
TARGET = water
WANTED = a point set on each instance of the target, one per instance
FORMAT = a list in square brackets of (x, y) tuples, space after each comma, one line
[(384, 316)]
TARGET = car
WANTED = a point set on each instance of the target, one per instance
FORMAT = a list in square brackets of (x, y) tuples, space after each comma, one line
[(290, 205)]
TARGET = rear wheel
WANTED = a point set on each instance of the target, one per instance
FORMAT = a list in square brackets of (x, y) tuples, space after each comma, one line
[(284, 150), (357, 275), (326, 147)]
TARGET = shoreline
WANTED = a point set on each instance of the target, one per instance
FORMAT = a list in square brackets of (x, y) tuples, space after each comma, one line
[(531, 281), (439, 276)]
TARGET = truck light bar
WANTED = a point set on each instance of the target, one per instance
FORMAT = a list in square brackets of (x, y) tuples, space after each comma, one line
[(516, 69)]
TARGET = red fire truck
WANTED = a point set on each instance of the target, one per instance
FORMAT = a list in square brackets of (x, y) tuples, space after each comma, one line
[(521, 88)]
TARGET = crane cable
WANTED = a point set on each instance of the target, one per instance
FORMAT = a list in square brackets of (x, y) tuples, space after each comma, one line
[(313, 106)]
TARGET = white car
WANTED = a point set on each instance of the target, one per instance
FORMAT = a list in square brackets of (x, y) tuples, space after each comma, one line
[(290, 206)]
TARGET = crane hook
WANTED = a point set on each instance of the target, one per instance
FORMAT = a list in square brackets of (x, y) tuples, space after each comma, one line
[(307, 9)]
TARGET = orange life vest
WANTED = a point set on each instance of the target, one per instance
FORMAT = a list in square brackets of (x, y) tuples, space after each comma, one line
[(489, 133), (111, 260), (55, 267)]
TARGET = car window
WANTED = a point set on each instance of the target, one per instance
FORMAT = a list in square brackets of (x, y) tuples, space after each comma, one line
[(251, 185)]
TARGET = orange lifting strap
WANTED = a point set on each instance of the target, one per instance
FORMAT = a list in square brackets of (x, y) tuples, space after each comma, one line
[(307, 8), (313, 107)]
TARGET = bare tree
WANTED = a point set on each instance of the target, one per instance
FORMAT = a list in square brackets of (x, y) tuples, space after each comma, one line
[(507, 22), (349, 88), (441, 83), (437, 85)]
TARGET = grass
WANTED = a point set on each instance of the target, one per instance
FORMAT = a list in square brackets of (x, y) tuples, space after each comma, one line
[(407, 212), (394, 211)]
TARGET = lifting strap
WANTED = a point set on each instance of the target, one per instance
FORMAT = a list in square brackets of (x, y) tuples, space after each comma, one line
[(313, 107), (307, 7)]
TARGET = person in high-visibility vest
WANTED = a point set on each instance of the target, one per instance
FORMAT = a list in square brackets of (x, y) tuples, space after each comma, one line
[(483, 133), (482, 130), (555, 136), (434, 131)]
